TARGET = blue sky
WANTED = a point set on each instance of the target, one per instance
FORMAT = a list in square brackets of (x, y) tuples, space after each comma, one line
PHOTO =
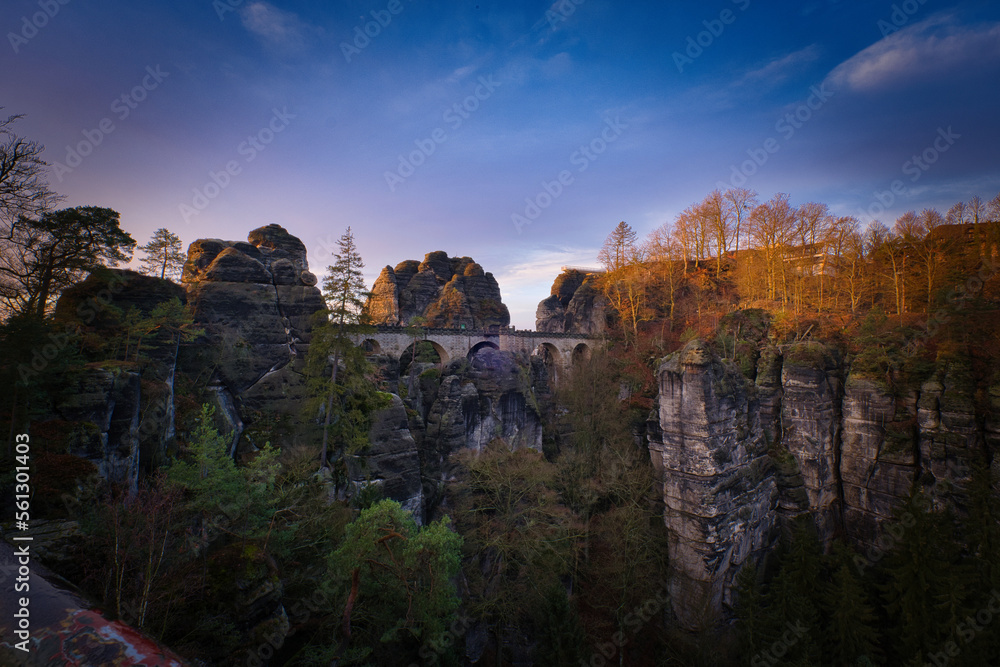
[(517, 133)]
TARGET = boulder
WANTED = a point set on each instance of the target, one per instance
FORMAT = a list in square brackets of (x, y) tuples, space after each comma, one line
[(233, 266)]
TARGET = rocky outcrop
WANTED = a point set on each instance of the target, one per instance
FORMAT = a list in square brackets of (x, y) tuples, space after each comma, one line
[(810, 428), (105, 407), (391, 461), (256, 301), (950, 440), (98, 305), (470, 403), (841, 448), (447, 291), (708, 448), (576, 305), (878, 462)]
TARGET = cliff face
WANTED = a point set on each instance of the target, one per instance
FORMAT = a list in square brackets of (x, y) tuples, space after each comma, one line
[(708, 447), (447, 291), (120, 421), (256, 301), (576, 305), (738, 459), (467, 404)]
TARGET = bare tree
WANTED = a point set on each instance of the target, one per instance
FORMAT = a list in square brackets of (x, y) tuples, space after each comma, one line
[(771, 228), (664, 252), (624, 281), (719, 220), (24, 190), (741, 202)]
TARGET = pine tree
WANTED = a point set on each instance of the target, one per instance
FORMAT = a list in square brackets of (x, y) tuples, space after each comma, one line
[(164, 255), (750, 612), (395, 581), (345, 289), (852, 634), (920, 571)]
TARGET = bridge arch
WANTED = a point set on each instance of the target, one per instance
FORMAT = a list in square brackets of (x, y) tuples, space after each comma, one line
[(581, 354), (550, 356), (371, 346), (480, 346), (406, 357)]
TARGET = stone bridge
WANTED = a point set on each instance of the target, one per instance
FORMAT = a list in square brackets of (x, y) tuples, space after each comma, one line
[(562, 351)]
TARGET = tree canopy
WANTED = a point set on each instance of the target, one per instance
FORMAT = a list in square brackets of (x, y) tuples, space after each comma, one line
[(164, 255)]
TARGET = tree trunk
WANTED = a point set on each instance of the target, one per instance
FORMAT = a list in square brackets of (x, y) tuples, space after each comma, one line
[(329, 408)]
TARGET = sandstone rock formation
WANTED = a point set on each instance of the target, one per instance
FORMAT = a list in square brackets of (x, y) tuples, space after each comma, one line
[(468, 404), (256, 301), (877, 460), (709, 450), (810, 428), (392, 461), (576, 305), (122, 429), (447, 291), (809, 437)]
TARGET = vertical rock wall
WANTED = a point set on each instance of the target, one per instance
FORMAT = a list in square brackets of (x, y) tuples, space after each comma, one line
[(708, 447), (847, 452)]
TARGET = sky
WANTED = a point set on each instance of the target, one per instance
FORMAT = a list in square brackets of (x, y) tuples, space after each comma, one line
[(517, 133)]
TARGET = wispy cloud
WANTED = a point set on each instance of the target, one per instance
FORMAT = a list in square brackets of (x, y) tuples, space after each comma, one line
[(545, 264), (275, 27), (779, 69), (934, 48)]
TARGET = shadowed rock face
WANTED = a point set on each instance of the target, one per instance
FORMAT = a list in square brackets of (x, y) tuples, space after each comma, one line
[(708, 448), (576, 305), (737, 459), (447, 291), (467, 404), (256, 301)]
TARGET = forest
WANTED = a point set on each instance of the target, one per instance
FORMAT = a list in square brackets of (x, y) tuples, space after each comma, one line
[(269, 551)]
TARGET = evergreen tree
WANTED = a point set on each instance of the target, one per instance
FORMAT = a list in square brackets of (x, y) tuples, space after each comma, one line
[(226, 497), (164, 255), (920, 571), (345, 289), (852, 634), (558, 629), (394, 581), (41, 257), (750, 612)]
